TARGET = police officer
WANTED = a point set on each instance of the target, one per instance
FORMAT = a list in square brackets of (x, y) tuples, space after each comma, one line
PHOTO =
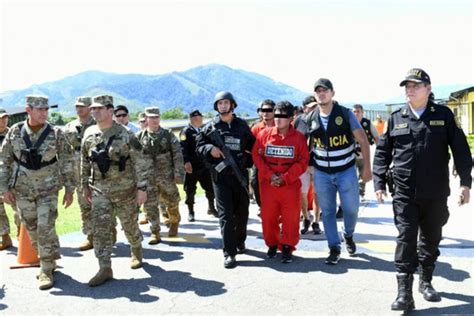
[(35, 164), (194, 166), (228, 133), (416, 139), (74, 131), (333, 131), (114, 179), (372, 137)]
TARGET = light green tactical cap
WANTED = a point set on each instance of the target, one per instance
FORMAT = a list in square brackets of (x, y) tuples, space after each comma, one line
[(37, 101)]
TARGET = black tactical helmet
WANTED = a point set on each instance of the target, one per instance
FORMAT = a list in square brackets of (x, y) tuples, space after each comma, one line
[(224, 95)]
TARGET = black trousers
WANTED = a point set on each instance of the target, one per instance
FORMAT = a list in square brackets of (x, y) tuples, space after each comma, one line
[(419, 223), (255, 185), (233, 208), (203, 176)]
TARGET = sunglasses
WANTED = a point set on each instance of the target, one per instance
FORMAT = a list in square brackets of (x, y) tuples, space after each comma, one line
[(121, 115), (285, 116), (266, 110)]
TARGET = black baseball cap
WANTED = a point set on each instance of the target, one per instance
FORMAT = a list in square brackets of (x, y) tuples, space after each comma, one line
[(121, 107), (309, 101), (416, 75), (323, 82), (195, 113)]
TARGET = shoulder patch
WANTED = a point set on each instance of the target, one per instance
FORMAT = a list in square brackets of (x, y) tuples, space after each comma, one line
[(182, 136)]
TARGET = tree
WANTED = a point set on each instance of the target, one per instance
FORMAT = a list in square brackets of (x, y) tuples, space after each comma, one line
[(174, 113)]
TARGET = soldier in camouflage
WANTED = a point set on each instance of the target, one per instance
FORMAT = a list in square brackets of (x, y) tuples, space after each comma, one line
[(114, 178), (74, 131), (6, 241), (35, 164), (163, 148)]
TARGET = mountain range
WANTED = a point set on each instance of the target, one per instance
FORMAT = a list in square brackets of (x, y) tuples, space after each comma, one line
[(190, 89)]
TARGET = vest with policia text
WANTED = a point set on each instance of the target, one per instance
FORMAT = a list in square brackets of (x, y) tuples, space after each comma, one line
[(332, 150)]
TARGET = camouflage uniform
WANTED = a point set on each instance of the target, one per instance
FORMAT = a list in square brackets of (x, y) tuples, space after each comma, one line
[(36, 191), (163, 148), (74, 131), (6, 241), (113, 193)]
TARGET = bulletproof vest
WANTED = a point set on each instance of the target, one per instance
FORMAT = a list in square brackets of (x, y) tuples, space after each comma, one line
[(332, 150), (153, 146), (100, 155), (30, 157), (366, 126)]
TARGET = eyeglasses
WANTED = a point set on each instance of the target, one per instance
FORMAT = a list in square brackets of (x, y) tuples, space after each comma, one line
[(121, 115), (285, 116)]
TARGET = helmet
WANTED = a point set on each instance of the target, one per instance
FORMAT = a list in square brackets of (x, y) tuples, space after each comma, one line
[(224, 95)]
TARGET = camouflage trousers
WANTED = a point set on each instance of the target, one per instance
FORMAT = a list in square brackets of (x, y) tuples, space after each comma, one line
[(39, 214), (4, 223), (86, 213), (168, 193), (104, 211)]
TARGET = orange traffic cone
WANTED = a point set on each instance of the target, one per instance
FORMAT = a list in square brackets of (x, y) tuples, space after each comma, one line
[(27, 255)]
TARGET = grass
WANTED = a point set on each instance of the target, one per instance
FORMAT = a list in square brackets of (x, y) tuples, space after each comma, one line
[(69, 220), (470, 141)]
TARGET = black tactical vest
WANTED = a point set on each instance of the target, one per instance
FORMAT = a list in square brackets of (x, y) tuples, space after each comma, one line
[(332, 150)]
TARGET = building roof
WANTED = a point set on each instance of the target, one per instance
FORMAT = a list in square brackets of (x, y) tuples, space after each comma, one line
[(457, 94)]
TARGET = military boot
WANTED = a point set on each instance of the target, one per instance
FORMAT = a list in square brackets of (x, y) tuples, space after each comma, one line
[(404, 300), (425, 287), (6, 242), (212, 209), (87, 244), (155, 238), (191, 212), (173, 232), (45, 280), (104, 274), (137, 257)]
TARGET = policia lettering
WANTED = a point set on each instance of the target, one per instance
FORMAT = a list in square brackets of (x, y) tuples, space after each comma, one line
[(336, 152)]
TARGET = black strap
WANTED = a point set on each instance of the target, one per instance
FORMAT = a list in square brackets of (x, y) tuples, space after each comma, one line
[(39, 142), (2, 137), (109, 143), (27, 166)]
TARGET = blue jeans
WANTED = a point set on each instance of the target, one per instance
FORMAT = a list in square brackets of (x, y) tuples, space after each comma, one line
[(326, 186)]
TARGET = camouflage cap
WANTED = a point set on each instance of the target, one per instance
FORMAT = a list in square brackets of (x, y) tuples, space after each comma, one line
[(102, 101), (141, 116), (37, 101), (3, 112), (83, 101), (152, 111)]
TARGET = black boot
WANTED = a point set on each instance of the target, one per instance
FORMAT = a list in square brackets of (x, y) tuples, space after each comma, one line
[(212, 209), (306, 223), (191, 212), (425, 287), (404, 300)]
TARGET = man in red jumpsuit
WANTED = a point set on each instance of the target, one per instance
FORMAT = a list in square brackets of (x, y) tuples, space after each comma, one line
[(265, 110), (281, 156)]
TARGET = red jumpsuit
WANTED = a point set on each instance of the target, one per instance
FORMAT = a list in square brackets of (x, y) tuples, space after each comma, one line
[(257, 128), (287, 155)]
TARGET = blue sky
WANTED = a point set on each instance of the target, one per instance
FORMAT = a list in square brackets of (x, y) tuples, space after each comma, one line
[(364, 47)]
